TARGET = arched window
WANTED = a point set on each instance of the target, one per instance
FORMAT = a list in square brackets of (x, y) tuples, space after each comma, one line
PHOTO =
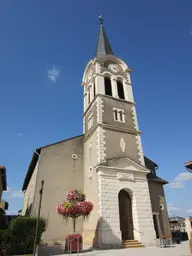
[(120, 90), (108, 90)]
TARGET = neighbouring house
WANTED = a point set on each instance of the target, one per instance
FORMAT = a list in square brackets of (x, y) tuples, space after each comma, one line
[(188, 165), (106, 162), (177, 223), (3, 206), (3, 180), (188, 224)]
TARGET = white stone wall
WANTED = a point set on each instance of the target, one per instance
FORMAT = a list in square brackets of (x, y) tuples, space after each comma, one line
[(109, 188), (109, 228)]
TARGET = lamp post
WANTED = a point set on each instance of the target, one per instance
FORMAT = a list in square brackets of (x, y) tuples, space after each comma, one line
[(38, 216)]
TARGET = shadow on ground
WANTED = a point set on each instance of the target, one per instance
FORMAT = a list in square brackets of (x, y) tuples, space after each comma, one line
[(55, 250)]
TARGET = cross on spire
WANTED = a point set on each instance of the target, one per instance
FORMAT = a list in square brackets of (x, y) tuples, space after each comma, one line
[(101, 19)]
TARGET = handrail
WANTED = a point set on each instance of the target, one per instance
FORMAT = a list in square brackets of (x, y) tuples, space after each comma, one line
[(70, 242), (139, 231)]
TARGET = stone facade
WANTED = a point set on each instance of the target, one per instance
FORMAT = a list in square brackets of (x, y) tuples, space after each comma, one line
[(111, 182)]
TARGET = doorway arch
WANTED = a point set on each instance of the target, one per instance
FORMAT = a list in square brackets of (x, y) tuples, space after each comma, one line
[(125, 215)]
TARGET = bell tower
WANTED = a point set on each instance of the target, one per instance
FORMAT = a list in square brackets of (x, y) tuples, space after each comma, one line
[(109, 108), (112, 145)]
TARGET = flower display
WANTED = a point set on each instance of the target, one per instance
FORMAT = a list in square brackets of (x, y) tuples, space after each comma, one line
[(74, 236), (75, 205), (76, 195)]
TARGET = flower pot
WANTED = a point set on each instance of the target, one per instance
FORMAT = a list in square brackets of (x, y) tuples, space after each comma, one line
[(73, 243)]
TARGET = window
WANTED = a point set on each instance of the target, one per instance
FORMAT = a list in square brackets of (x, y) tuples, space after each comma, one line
[(89, 96), (120, 90), (90, 122), (90, 172), (115, 114), (119, 115), (94, 92), (108, 90)]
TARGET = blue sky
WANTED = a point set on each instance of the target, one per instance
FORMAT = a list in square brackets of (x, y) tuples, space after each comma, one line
[(39, 107)]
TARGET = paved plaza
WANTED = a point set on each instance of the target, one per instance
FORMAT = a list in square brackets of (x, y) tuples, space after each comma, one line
[(176, 250)]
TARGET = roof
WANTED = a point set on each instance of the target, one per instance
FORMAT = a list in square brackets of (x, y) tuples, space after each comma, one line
[(103, 44), (152, 175), (188, 165), (3, 177), (157, 179), (176, 219), (35, 158), (150, 164)]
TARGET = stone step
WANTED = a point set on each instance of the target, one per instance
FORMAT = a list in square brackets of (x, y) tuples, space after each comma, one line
[(132, 244), (130, 241)]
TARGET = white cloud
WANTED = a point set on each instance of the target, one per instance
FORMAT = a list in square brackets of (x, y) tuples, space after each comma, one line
[(189, 211), (16, 194), (172, 208), (183, 176), (53, 74), (20, 134), (176, 184)]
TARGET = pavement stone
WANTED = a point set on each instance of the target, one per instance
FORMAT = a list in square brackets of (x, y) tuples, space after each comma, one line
[(177, 250)]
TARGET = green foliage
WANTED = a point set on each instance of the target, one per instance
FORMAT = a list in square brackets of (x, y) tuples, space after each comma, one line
[(19, 237), (5, 241)]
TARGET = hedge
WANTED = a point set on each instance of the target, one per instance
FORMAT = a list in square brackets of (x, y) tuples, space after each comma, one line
[(19, 237)]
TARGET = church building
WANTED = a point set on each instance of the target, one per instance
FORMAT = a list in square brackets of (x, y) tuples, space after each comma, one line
[(106, 162)]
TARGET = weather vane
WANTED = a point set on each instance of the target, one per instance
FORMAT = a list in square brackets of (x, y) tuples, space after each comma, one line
[(101, 19)]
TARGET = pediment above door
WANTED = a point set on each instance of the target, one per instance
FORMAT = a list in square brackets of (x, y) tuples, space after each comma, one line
[(124, 164)]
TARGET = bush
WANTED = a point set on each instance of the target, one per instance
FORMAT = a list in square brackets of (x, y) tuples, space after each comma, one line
[(19, 238), (5, 241)]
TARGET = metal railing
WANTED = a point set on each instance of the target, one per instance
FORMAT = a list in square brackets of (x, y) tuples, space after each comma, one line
[(138, 231), (70, 245)]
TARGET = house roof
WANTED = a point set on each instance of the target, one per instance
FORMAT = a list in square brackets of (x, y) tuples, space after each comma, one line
[(35, 158), (176, 219), (157, 179), (3, 177), (150, 164), (188, 165), (152, 175)]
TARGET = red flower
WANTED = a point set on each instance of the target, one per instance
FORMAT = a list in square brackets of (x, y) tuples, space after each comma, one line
[(75, 205), (74, 236)]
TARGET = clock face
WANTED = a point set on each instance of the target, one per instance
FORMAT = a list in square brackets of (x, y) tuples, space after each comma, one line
[(113, 68), (90, 75)]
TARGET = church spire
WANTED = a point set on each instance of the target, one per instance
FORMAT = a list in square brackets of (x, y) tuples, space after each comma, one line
[(103, 44)]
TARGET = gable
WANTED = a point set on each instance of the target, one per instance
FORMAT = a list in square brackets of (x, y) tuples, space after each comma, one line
[(125, 164)]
